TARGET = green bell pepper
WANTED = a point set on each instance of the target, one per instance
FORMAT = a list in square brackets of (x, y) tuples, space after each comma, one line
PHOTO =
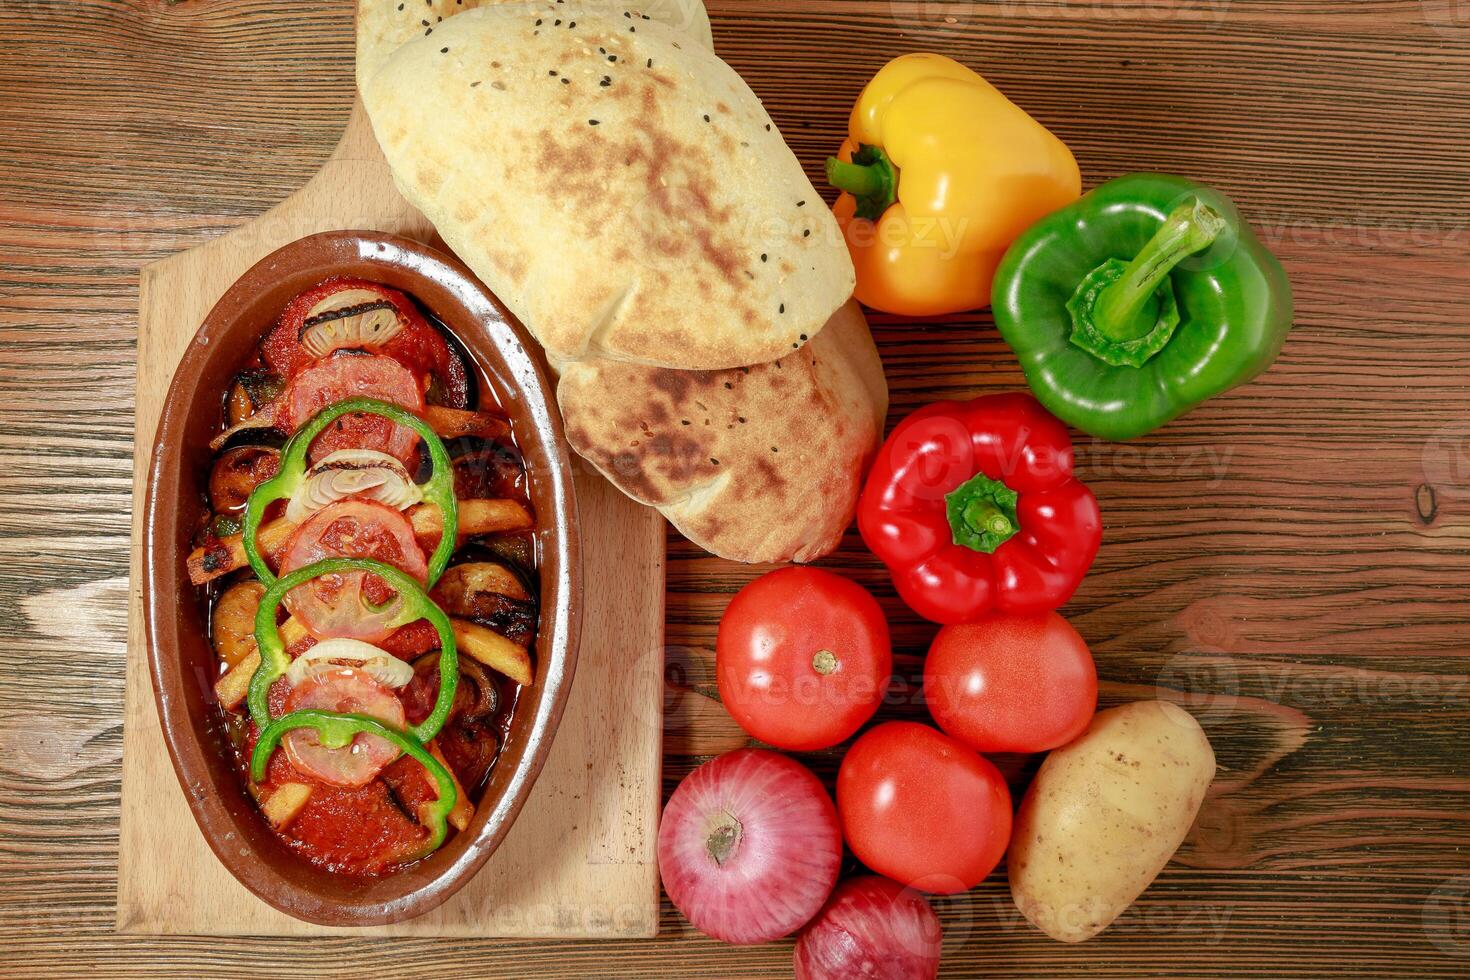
[(416, 605), (1138, 302), (439, 490), (337, 731)]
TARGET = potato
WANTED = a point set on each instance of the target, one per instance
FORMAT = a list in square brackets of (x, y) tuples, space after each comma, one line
[(1105, 814)]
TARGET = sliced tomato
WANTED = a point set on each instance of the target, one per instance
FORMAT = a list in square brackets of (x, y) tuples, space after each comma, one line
[(352, 604), (418, 346), (346, 691), (344, 376)]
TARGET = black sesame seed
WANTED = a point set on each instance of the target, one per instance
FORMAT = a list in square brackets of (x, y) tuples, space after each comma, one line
[(605, 81), (571, 24), (706, 117), (683, 421), (650, 62), (400, 6), (741, 418), (601, 50), (628, 15), (474, 84), (556, 23), (552, 73), (774, 449), (806, 233), (794, 346), (424, 22), (644, 16), (632, 30), (538, 21), (783, 310), (612, 57), (803, 336), (592, 122), (801, 204), (566, 81), (714, 461), (729, 386), (764, 256), (428, 32), (443, 50), (768, 127)]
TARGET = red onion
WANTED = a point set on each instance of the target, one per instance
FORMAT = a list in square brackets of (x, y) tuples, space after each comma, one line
[(749, 846), (871, 929)]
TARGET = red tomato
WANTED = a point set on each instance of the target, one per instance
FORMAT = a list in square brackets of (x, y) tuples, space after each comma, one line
[(353, 604), (357, 376), (346, 691), (1011, 682), (922, 809), (802, 658)]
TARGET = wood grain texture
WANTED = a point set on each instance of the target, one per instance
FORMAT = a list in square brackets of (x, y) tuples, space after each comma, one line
[(579, 861), (1290, 560)]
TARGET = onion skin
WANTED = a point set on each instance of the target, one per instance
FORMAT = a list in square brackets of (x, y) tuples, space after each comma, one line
[(778, 842), (872, 928)]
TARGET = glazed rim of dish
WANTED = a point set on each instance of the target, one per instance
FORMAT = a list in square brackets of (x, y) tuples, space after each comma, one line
[(175, 625)]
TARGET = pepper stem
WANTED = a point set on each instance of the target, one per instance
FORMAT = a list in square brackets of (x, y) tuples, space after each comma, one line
[(855, 178), (871, 178), (982, 513), (984, 517), (1191, 227)]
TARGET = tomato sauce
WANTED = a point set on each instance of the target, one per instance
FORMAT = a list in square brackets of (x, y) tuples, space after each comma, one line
[(373, 829)]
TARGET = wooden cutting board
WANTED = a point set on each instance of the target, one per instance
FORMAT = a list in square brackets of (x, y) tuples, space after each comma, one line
[(579, 861)]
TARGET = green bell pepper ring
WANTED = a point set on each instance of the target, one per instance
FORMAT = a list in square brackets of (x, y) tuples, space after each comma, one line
[(337, 732), (416, 605), (439, 490), (1138, 302)]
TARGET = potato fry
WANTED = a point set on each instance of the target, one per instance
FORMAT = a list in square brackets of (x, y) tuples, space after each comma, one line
[(232, 688), (284, 803), (452, 423), (464, 809), (493, 650), (232, 622)]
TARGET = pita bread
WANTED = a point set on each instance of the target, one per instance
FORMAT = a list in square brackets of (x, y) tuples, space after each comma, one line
[(621, 190), (383, 26), (759, 464)]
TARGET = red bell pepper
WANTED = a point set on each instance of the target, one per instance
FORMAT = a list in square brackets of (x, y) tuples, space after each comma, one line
[(973, 507)]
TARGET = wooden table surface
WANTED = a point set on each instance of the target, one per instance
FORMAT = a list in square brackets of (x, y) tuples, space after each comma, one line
[(1290, 561)]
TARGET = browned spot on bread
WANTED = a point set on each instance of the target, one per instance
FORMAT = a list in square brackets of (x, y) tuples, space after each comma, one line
[(430, 178), (513, 264), (768, 480), (673, 383)]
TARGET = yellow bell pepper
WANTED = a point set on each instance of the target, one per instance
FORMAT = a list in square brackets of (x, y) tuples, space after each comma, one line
[(940, 173)]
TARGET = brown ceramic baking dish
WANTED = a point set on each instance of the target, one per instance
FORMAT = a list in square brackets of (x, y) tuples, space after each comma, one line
[(180, 655)]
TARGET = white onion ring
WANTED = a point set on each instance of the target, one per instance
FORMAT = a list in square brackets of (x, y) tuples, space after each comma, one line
[(385, 668), (364, 473)]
